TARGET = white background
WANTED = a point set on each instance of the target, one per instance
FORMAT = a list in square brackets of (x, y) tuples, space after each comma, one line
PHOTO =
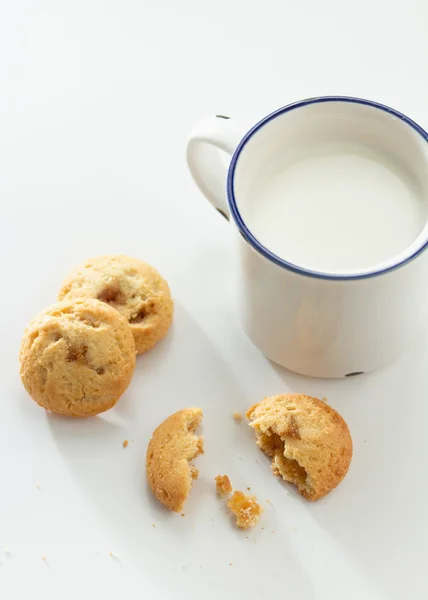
[(96, 102)]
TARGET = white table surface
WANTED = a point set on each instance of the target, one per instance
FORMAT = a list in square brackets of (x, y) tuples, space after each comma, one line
[(96, 101)]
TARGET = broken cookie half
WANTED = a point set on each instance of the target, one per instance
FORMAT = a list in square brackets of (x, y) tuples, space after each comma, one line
[(172, 447), (245, 508), (308, 441)]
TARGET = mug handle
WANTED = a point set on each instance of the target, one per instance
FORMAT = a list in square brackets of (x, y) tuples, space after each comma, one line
[(203, 157)]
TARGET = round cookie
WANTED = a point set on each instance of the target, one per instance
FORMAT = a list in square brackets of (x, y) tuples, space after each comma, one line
[(308, 441), (132, 287), (77, 357), (172, 446)]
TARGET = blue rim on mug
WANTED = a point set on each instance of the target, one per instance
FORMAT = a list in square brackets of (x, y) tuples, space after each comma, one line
[(253, 241)]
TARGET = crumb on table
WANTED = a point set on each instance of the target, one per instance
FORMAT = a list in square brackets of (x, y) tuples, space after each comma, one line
[(223, 485), (245, 508), (237, 417), (125, 443)]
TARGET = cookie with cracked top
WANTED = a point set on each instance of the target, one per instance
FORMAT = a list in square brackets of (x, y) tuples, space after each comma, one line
[(134, 288), (77, 357)]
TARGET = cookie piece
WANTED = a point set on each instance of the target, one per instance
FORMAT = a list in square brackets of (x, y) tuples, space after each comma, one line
[(172, 446), (309, 441), (132, 287), (223, 485), (245, 508), (77, 357)]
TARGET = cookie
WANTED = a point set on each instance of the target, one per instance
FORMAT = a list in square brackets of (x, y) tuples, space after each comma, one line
[(172, 446), (308, 441), (132, 287), (77, 357), (245, 508)]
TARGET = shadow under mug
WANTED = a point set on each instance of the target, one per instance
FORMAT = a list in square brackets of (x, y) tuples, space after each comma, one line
[(314, 323)]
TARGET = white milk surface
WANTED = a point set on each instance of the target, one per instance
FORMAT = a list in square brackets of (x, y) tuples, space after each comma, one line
[(336, 208)]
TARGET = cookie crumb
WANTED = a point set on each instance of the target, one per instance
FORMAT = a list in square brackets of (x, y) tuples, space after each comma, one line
[(125, 443), (223, 485), (153, 525), (325, 399), (248, 488), (245, 508), (230, 564), (183, 515), (44, 559), (237, 416), (116, 559)]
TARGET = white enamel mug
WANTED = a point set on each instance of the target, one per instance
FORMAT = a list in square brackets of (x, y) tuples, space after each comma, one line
[(317, 323)]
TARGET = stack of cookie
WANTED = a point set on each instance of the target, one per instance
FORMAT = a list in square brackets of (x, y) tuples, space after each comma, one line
[(77, 357)]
